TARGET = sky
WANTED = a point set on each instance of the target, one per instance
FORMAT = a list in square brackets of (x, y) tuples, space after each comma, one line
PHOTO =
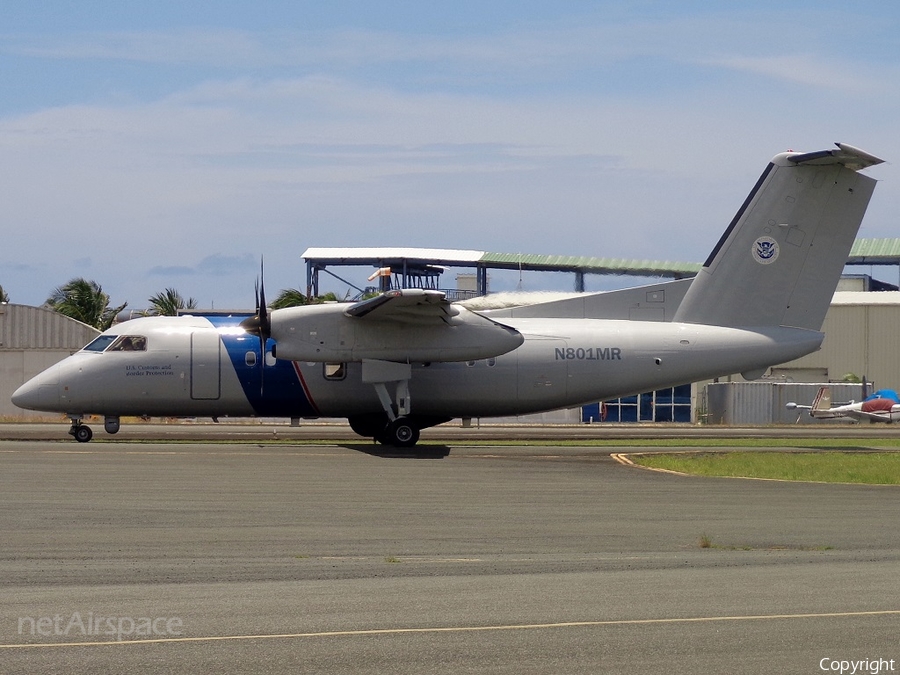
[(171, 144)]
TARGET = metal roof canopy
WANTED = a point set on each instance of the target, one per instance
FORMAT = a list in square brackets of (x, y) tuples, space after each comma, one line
[(406, 259), (875, 252)]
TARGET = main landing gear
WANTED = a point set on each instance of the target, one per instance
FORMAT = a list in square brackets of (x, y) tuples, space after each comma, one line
[(399, 430), (396, 426), (401, 433)]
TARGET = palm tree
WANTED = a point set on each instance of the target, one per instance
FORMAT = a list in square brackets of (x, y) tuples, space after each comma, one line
[(84, 301), (3, 296), (169, 302), (292, 297), (289, 297)]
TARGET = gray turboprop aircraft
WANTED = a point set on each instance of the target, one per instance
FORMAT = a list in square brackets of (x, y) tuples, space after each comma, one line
[(409, 359)]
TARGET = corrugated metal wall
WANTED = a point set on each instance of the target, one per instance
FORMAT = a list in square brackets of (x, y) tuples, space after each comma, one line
[(31, 340), (884, 345), (860, 339), (761, 403), (24, 327)]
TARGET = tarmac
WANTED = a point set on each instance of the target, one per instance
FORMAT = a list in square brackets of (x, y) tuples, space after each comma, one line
[(452, 432), (272, 553)]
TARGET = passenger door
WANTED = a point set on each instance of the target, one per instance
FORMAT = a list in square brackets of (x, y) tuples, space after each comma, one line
[(206, 359)]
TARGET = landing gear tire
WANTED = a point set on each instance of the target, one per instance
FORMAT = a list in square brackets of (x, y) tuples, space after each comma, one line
[(82, 433), (400, 433), (369, 425)]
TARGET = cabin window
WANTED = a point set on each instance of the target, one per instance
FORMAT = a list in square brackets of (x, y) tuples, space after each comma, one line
[(250, 358), (129, 343), (334, 371)]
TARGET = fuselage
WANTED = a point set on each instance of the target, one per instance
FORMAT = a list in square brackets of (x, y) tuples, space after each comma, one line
[(876, 408), (209, 366)]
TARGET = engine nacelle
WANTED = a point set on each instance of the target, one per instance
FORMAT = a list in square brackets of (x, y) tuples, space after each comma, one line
[(325, 333)]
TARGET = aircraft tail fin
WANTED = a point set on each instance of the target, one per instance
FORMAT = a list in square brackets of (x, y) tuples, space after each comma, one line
[(780, 259), (821, 407)]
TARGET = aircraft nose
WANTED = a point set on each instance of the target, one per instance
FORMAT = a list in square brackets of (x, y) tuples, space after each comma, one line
[(40, 392)]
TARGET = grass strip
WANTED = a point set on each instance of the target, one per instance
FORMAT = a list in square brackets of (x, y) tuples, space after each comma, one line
[(875, 468)]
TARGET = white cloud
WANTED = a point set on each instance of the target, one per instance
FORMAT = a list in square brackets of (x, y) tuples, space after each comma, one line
[(529, 49), (367, 138), (817, 70)]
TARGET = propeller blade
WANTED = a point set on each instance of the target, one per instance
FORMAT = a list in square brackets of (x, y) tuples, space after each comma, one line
[(265, 326), (260, 324)]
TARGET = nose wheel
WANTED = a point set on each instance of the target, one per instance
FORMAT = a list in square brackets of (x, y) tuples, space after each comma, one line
[(80, 432)]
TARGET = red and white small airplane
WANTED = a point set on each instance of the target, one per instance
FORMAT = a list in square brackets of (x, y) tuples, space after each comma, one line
[(882, 406)]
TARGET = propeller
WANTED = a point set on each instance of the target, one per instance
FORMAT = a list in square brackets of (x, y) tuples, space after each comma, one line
[(260, 324)]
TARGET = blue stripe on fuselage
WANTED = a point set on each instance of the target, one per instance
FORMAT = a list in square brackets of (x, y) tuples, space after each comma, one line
[(273, 390)]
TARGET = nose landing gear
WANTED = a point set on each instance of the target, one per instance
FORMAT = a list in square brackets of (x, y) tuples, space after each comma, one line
[(80, 432)]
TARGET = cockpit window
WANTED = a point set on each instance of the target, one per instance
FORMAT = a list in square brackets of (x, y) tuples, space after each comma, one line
[(118, 343), (100, 343), (129, 343)]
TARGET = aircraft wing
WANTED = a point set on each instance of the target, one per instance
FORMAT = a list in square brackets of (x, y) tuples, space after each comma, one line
[(409, 305), (882, 416)]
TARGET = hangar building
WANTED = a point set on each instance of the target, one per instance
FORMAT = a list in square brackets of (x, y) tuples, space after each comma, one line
[(31, 340)]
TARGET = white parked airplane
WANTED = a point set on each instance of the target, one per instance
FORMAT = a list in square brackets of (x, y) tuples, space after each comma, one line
[(410, 359), (882, 406)]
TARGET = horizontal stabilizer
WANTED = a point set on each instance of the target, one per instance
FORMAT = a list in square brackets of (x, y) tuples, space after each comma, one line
[(852, 158)]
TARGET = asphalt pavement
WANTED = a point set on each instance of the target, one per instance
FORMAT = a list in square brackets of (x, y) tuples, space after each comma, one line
[(254, 556)]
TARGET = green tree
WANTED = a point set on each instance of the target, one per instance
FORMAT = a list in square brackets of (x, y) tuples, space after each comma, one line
[(292, 297), (84, 301), (3, 296), (289, 297), (169, 302)]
